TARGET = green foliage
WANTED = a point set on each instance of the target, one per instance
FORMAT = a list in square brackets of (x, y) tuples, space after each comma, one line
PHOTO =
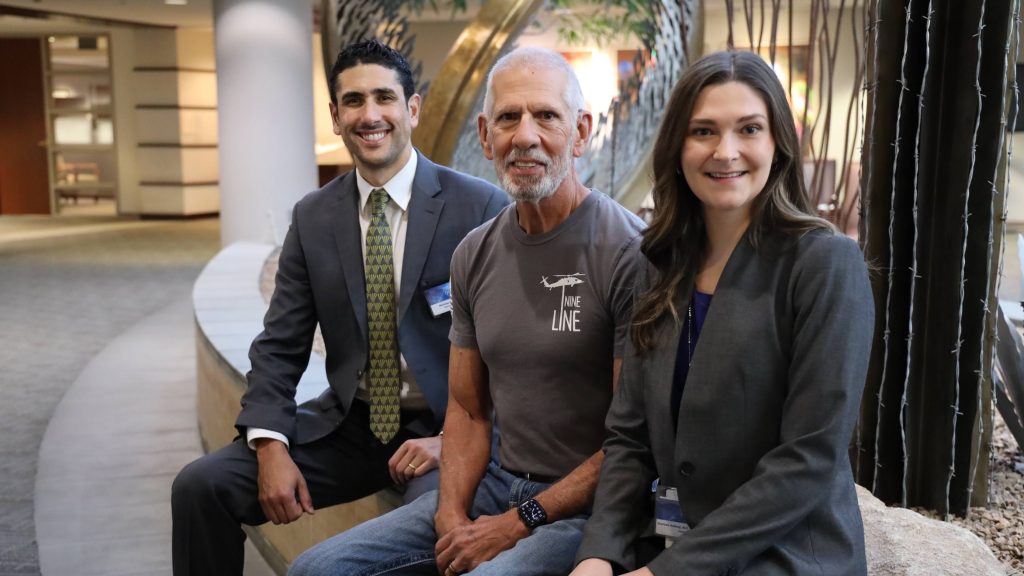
[(601, 21), (579, 21)]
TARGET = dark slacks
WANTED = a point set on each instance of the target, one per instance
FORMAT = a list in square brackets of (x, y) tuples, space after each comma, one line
[(215, 494)]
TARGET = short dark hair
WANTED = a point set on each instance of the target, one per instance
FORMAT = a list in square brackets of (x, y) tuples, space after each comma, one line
[(371, 52)]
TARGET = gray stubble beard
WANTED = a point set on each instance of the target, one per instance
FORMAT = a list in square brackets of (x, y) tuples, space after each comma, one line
[(558, 170)]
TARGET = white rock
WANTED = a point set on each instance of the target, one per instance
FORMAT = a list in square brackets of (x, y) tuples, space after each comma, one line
[(901, 542)]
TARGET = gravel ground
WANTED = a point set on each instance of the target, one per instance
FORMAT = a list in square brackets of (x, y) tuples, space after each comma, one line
[(1001, 523)]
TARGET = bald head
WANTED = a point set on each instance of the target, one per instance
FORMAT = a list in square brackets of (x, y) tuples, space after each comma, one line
[(536, 59)]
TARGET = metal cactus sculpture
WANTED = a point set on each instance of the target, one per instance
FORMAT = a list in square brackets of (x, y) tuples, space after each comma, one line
[(940, 86)]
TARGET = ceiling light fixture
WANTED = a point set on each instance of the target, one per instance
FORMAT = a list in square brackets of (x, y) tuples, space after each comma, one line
[(176, 2)]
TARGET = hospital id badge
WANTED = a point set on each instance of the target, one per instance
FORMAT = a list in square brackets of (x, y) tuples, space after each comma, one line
[(668, 515), (440, 299)]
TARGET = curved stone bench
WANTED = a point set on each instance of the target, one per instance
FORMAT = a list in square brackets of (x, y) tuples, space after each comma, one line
[(229, 310)]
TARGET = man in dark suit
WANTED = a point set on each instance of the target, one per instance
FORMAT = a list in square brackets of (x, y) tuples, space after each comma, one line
[(367, 258)]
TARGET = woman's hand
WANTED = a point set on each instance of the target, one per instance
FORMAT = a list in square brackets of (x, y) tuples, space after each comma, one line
[(593, 567), (599, 567)]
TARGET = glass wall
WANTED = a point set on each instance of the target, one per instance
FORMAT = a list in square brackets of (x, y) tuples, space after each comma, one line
[(81, 117)]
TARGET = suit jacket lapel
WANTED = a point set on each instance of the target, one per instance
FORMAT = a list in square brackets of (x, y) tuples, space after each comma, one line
[(350, 246), (712, 333), (424, 212)]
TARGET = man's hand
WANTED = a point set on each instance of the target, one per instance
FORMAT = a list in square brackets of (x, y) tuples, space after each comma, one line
[(593, 567), (282, 489), (446, 521), (465, 547), (414, 458)]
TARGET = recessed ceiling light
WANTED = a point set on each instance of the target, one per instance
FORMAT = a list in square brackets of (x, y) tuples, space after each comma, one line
[(176, 2)]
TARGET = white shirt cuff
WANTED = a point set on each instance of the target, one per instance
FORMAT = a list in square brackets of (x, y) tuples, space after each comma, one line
[(252, 434)]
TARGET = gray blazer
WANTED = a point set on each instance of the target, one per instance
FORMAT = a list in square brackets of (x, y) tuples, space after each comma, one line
[(760, 457), (320, 279)]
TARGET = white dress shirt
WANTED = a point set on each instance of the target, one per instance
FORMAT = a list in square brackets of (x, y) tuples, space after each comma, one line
[(399, 188)]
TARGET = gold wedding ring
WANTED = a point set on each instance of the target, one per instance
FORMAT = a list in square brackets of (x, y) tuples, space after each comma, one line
[(413, 466), (450, 571)]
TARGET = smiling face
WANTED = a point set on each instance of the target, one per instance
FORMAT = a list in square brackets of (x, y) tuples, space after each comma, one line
[(531, 135), (374, 120), (728, 151)]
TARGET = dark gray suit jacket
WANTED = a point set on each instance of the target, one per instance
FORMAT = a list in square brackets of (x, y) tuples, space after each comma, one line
[(320, 279), (760, 457)]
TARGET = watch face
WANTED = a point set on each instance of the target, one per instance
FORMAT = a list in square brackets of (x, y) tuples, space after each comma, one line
[(532, 514)]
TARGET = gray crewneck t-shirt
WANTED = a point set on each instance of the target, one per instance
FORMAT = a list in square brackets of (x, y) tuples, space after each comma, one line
[(548, 313)]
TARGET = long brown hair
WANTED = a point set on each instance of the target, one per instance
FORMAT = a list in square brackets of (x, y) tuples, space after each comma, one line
[(676, 240)]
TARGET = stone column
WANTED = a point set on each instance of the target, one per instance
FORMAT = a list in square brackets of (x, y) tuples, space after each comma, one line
[(174, 88), (265, 101)]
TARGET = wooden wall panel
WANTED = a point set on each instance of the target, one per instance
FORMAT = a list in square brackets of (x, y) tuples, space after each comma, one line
[(24, 177)]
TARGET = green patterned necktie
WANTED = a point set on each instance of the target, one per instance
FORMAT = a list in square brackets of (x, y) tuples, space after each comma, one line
[(380, 300)]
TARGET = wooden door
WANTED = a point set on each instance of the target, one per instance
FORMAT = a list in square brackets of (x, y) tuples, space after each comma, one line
[(24, 176)]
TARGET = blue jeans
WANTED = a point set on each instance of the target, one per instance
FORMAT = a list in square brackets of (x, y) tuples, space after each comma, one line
[(402, 541)]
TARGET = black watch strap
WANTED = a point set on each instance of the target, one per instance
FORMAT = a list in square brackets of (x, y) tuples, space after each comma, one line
[(532, 514)]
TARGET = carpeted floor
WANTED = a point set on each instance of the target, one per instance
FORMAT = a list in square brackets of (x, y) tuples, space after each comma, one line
[(63, 298)]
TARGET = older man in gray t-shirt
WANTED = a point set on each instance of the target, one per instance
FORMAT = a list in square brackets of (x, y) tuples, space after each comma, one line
[(541, 304), (548, 313)]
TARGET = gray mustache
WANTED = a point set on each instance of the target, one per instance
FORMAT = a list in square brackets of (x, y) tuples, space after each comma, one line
[(535, 156)]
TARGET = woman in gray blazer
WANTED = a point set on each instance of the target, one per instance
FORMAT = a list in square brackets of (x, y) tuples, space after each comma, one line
[(750, 343)]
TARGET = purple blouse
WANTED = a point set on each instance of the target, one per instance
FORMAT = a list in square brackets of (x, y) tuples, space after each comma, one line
[(687, 344)]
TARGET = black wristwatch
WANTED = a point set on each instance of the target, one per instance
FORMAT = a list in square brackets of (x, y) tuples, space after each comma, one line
[(532, 514)]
